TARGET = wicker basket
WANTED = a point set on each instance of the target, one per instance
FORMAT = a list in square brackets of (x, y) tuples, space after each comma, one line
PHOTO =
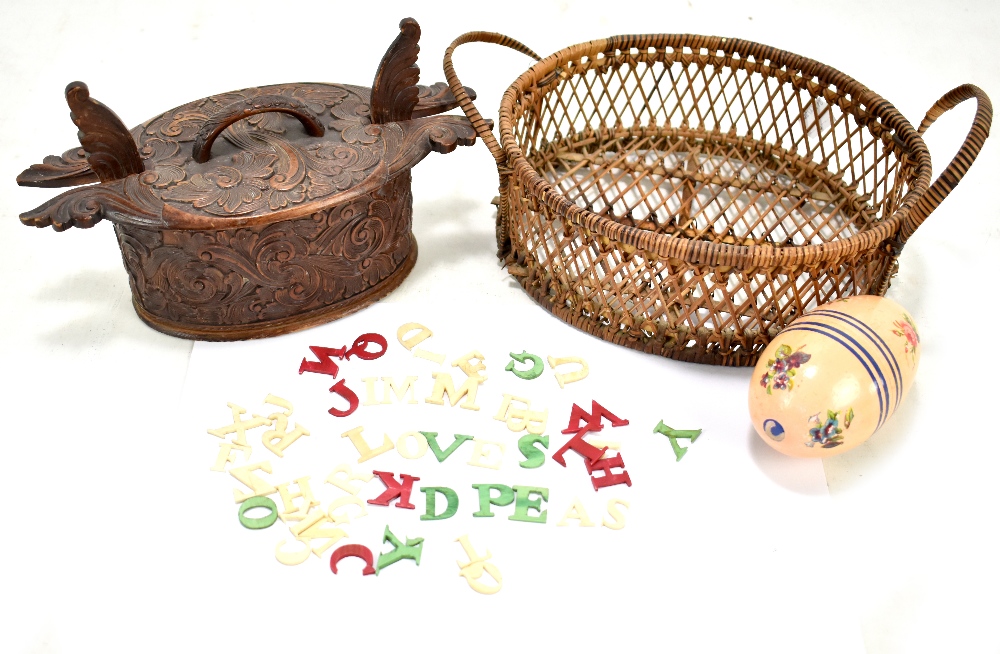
[(690, 196)]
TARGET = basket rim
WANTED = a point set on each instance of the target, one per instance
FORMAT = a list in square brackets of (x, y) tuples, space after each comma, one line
[(756, 56)]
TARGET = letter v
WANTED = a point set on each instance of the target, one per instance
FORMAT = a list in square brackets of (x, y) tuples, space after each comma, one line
[(441, 455)]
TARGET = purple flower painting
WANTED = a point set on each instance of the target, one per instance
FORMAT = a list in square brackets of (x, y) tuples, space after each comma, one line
[(781, 369)]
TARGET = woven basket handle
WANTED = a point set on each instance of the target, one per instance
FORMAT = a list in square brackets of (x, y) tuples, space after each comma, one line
[(952, 175), (477, 120)]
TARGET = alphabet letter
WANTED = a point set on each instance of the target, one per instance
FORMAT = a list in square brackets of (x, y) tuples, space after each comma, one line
[(422, 335), (533, 457), (358, 439), (569, 377), (608, 479), (505, 497), (443, 384), (536, 365), (394, 489), (411, 550), (440, 454), (430, 495), (359, 551), (524, 502)]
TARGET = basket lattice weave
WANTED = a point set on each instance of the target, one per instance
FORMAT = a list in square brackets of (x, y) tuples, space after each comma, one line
[(690, 196)]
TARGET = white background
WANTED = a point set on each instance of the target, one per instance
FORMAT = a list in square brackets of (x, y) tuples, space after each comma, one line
[(95, 466)]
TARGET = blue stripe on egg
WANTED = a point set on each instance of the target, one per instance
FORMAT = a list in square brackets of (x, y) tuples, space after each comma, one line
[(877, 340), (818, 328)]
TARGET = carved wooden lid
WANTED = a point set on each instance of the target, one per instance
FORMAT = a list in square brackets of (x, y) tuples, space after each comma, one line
[(285, 151), (269, 164)]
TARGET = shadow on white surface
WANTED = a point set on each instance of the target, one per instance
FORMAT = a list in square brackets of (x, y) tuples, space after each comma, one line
[(92, 308), (848, 470), (796, 475)]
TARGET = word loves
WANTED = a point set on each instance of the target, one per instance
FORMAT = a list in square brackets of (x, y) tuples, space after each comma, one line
[(324, 365), (489, 454)]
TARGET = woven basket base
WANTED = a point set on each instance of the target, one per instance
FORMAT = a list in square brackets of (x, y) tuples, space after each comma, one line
[(670, 347)]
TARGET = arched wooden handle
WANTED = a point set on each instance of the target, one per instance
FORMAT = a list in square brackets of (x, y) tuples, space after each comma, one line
[(481, 125), (202, 150), (953, 173)]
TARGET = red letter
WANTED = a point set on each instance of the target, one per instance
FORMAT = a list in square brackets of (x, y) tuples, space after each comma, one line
[(360, 347), (341, 389), (580, 423), (581, 447), (325, 366), (578, 417), (608, 479), (359, 551), (393, 490)]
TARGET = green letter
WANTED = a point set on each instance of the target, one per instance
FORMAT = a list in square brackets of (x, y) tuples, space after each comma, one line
[(524, 502), (441, 455), (533, 456), (399, 551), (506, 497), (430, 493), (536, 365), (258, 523), (673, 434)]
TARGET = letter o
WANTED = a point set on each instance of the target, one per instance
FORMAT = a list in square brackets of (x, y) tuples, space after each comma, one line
[(258, 523), (406, 451)]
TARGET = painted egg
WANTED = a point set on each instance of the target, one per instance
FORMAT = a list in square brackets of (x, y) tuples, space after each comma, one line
[(833, 377)]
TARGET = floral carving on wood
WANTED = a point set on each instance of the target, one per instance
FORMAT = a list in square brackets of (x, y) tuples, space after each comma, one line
[(68, 169), (180, 125), (275, 168), (228, 189), (251, 274)]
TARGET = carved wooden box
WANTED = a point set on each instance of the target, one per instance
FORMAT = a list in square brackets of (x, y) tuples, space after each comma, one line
[(299, 214)]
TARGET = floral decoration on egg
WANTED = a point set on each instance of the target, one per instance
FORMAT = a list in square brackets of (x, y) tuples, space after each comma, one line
[(834, 376), (908, 330), (781, 369), (774, 429), (828, 433)]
